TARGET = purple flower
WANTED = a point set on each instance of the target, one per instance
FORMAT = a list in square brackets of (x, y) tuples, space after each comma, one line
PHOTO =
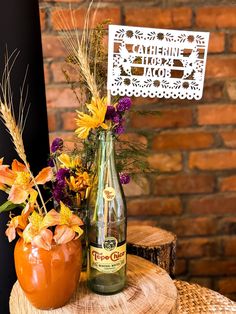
[(116, 118), (124, 104), (119, 129), (111, 112), (62, 174), (51, 162), (58, 191), (57, 144), (124, 178)]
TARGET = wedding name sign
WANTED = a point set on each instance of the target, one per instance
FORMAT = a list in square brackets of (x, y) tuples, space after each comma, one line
[(152, 62)]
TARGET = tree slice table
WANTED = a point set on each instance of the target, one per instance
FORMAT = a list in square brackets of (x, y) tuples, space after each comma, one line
[(154, 244), (149, 290)]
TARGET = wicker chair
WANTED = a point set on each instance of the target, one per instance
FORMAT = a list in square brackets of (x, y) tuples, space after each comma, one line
[(196, 299)]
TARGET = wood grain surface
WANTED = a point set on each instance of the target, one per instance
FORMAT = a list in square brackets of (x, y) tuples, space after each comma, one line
[(149, 289)]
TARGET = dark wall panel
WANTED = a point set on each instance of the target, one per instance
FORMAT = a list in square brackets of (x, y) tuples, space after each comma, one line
[(20, 29)]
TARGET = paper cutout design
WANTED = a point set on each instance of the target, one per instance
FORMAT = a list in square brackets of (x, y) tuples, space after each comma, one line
[(156, 62)]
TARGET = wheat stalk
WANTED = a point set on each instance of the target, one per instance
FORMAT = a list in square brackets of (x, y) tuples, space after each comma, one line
[(78, 46), (15, 128)]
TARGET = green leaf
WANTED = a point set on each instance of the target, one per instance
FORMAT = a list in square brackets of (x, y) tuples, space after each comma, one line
[(7, 206)]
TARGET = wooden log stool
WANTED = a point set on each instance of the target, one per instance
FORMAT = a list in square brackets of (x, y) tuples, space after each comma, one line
[(154, 244), (149, 289)]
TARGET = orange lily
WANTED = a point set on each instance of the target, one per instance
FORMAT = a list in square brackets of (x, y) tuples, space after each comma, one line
[(36, 231), (2, 186), (68, 226), (18, 223), (20, 182)]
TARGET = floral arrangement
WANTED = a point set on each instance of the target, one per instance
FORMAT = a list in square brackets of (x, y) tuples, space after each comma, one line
[(88, 58), (69, 174), (36, 224)]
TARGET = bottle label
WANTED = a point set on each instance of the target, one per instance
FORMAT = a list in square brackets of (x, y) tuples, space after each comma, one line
[(109, 194), (108, 258)]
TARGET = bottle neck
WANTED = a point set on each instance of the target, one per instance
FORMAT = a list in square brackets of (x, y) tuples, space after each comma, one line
[(106, 152)]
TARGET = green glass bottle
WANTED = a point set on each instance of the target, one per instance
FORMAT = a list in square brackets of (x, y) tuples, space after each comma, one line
[(107, 223)]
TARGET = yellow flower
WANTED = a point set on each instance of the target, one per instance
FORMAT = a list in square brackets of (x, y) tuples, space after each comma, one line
[(78, 183), (69, 161), (85, 122)]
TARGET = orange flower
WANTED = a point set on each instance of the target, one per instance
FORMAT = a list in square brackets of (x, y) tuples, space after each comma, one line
[(18, 223), (43, 239), (68, 227), (78, 183), (36, 231), (19, 180), (2, 186)]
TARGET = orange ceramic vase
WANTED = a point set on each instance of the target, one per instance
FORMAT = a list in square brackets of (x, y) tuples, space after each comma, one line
[(48, 278)]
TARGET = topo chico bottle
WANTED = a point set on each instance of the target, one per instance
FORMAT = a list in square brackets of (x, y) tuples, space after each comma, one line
[(107, 223)]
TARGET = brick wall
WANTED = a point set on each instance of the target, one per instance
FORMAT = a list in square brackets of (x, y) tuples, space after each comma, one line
[(193, 143)]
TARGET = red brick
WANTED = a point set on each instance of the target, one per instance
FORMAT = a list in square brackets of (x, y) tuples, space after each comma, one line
[(140, 222), (137, 189), (52, 47), (156, 17), (42, 16), (193, 226), (227, 285), (231, 89), (154, 206), (166, 162), (227, 225), (229, 138), (68, 120), (184, 184), (216, 17), (213, 91), (212, 267), (182, 140), (202, 281), (46, 73), (212, 204), (167, 118), (196, 247), (140, 101), (133, 138), (228, 184), (181, 267), (213, 160), (221, 67), (229, 245), (58, 69), (74, 20), (216, 42), (60, 98), (216, 114), (232, 47), (52, 121)]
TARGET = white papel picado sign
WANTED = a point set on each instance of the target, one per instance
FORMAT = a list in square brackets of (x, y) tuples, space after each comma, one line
[(150, 62)]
